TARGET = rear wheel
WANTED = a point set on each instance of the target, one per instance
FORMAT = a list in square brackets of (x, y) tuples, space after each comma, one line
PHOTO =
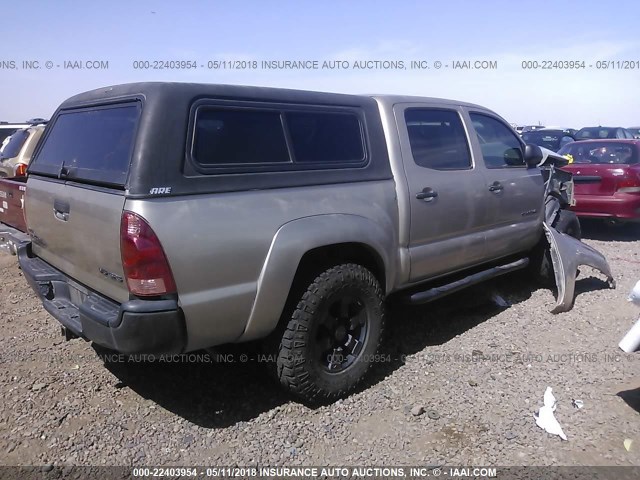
[(333, 334)]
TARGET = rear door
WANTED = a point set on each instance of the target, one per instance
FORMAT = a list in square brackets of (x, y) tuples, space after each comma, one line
[(448, 218), (75, 194), (514, 195)]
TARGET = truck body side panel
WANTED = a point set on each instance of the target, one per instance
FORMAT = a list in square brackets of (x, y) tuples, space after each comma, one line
[(217, 245)]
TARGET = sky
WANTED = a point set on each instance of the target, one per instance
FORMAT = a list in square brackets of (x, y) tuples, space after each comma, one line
[(122, 36)]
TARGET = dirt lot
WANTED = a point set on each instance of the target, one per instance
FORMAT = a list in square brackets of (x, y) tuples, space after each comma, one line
[(478, 370)]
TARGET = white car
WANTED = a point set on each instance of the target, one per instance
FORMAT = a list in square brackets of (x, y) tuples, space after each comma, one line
[(17, 150), (8, 129)]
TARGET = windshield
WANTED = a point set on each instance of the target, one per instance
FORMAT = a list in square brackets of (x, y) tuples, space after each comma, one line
[(596, 132), (6, 133), (12, 148), (531, 128), (550, 140), (91, 144), (601, 153)]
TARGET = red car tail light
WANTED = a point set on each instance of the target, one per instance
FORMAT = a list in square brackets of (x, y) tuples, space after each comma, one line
[(631, 183), (144, 262), (21, 170)]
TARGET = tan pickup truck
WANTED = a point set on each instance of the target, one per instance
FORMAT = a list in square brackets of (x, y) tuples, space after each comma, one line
[(167, 218)]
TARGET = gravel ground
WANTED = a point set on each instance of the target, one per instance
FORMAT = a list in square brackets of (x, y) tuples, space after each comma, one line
[(460, 383)]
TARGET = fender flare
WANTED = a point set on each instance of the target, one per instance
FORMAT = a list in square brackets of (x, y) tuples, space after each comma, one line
[(567, 254), (289, 245)]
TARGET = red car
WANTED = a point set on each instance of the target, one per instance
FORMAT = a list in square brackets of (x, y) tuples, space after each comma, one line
[(607, 178)]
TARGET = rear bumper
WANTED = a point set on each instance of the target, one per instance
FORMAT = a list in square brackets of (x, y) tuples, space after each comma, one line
[(619, 206), (136, 326), (12, 237)]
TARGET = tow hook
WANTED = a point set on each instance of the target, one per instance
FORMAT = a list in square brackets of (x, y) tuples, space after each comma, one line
[(67, 334), (46, 290)]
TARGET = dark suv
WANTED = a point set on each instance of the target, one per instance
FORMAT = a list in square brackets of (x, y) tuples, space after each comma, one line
[(600, 133)]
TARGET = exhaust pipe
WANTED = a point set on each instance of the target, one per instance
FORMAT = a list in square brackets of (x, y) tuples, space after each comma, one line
[(613, 222)]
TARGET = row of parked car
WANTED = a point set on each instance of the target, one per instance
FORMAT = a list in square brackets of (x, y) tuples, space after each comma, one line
[(555, 138), (605, 165), (618, 132), (18, 142)]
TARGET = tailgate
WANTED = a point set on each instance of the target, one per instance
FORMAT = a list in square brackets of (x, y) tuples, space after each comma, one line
[(11, 203), (76, 194), (77, 230)]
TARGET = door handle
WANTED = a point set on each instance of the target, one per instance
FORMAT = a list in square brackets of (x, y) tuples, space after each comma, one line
[(64, 216), (496, 187), (427, 194), (61, 206), (61, 210)]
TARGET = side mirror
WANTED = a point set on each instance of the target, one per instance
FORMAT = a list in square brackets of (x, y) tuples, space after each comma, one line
[(532, 155)]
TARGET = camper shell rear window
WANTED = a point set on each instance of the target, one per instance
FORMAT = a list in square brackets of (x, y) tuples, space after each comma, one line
[(92, 145)]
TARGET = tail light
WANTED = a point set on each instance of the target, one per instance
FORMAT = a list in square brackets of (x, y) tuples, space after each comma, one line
[(145, 265), (631, 183), (21, 170), (24, 210)]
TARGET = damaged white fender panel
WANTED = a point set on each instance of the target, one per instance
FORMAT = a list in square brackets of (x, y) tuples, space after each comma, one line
[(567, 254)]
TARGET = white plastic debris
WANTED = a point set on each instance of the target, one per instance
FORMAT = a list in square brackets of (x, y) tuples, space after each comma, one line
[(634, 296), (545, 418), (631, 341), (577, 403)]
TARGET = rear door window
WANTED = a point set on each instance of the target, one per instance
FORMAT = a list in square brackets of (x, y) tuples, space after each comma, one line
[(92, 145), (438, 140)]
